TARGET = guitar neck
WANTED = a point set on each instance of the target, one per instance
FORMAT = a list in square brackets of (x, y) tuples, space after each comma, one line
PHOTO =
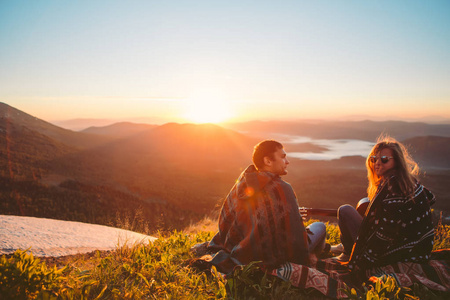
[(322, 212)]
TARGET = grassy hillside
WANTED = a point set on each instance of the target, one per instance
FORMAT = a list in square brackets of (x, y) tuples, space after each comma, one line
[(161, 271)]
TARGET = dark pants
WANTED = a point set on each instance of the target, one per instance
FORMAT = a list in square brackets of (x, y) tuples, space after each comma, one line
[(349, 223)]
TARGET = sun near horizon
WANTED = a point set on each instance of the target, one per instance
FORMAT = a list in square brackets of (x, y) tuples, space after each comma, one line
[(207, 107)]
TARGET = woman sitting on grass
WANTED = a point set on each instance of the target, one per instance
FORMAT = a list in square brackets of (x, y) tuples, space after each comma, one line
[(397, 225)]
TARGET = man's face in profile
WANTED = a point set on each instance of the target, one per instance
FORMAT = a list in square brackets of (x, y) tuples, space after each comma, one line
[(278, 165)]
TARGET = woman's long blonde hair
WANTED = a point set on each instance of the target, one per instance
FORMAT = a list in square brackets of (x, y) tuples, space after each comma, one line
[(405, 167)]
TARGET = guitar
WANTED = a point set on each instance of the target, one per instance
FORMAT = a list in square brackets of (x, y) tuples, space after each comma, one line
[(361, 207)]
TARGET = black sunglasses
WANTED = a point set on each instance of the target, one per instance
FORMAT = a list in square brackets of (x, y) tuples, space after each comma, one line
[(384, 159)]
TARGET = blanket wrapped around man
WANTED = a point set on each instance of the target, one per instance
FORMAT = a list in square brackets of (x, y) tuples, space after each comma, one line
[(259, 221)]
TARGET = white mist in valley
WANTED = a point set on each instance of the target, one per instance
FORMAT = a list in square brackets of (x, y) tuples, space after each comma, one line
[(336, 148)]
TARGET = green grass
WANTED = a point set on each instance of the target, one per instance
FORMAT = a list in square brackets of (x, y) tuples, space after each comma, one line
[(159, 271)]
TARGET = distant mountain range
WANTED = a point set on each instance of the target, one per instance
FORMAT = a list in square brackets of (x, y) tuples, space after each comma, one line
[(360, 130), (430, 151), (170, 175), (119, 130)]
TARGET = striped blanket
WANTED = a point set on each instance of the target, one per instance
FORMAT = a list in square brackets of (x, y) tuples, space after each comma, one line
[(330, 277), (259, 221)]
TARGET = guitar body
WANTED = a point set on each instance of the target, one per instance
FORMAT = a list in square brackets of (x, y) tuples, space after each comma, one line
[(362, 206)]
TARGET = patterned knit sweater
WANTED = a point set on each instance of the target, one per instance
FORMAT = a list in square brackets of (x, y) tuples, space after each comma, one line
[(395, 228), (259, 221)]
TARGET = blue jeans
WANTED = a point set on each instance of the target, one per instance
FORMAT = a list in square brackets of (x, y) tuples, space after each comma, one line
[(349, 222), (317, 233)]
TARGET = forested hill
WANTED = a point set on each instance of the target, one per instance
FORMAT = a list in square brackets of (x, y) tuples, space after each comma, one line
[(14, 121)]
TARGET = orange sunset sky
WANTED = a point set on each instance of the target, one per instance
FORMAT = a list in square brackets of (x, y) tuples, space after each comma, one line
[(213, 61)]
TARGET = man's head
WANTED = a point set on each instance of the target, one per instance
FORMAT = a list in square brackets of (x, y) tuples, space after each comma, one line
[(270, 156)]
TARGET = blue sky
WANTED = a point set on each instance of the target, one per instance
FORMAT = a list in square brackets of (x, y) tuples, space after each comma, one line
[(261, 59)]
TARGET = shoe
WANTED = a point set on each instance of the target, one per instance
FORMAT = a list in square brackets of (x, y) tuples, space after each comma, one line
[(200, 249), (342, 258), (337, 249)]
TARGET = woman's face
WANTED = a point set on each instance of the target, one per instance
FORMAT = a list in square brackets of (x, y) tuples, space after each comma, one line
[(379, 167)]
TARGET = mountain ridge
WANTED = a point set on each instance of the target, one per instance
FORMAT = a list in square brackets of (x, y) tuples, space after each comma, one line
[(119, 130), (10, 116), (363, 130)]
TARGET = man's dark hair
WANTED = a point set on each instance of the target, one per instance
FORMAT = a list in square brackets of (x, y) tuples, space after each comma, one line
[(263, 149)]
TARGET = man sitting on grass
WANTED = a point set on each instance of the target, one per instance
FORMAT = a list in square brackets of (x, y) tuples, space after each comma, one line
[(260, 219)]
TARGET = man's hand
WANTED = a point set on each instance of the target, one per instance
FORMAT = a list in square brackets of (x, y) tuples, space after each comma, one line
[(303, 212)]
